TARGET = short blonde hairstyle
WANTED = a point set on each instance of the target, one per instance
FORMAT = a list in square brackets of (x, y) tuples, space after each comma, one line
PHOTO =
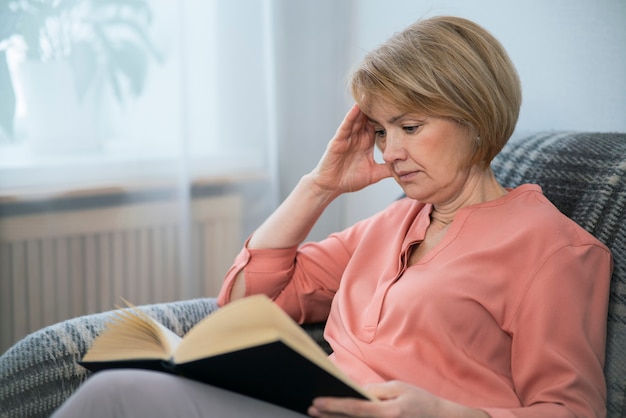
[(446, 67)]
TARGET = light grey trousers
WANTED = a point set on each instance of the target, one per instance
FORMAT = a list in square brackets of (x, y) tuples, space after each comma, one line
[(141, 393)]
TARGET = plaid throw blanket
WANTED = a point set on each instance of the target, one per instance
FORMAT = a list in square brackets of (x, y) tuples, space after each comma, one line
[(582, 173)]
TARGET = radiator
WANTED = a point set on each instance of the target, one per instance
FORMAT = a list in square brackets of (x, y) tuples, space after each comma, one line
[(56, 266)]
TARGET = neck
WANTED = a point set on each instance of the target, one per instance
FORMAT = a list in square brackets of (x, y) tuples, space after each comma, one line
[(442, 219), (481, 187)]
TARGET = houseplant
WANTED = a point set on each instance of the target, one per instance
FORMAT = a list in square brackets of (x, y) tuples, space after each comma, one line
[(99, 40)]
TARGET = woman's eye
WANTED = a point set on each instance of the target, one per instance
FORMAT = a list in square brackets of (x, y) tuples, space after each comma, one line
[(379, 133), (411, 129)]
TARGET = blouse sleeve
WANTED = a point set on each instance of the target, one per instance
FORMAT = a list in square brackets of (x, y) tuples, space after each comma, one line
[(558, 335), (302, 280)]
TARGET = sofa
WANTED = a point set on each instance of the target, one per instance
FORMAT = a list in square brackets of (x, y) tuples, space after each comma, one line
[(582, 173)]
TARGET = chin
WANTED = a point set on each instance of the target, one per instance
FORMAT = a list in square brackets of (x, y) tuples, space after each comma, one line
[(416, 193), (409, 194)]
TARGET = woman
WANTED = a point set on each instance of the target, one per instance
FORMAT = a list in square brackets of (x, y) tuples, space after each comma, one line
[(464, 298)]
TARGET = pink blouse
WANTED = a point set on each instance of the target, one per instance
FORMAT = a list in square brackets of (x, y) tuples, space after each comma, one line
[(507, 313)]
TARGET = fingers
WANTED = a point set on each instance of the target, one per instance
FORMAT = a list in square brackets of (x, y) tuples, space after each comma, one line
[(380, 172), (353, 122), (343, 407), (347, 407), (387, 390)]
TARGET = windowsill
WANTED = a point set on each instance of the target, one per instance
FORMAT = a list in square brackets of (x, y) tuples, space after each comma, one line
[(29, 176)]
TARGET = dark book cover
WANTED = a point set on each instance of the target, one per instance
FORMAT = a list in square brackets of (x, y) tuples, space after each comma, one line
[(271, 372)]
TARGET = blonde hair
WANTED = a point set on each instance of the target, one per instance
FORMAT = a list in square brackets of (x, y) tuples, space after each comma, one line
[(447, 67)]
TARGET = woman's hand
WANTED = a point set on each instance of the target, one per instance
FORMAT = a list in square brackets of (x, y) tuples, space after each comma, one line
[(348, 164), (396, 400)]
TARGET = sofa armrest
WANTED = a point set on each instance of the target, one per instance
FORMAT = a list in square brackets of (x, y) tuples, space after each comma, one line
[(39, 372)]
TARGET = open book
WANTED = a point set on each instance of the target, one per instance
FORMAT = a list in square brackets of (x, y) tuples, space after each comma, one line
[(250, 346)]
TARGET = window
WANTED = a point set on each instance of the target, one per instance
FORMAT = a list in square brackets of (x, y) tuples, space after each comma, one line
[(183, 89)]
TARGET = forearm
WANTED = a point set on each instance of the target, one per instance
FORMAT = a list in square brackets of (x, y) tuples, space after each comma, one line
[(289, 225), (292, 221)]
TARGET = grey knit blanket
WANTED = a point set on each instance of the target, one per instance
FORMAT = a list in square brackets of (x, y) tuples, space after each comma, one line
[(582, 173)]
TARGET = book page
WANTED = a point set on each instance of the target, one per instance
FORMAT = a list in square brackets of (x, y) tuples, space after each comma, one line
[(240, 324), (132, 334)]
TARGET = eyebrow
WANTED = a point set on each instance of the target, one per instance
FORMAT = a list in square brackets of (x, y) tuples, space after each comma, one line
[(397, 118), (390, 121)]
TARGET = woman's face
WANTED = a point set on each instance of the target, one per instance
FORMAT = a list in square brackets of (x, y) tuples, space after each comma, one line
[(428, 156)]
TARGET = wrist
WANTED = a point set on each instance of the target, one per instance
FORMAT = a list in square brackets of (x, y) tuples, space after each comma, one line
[(323, 196)]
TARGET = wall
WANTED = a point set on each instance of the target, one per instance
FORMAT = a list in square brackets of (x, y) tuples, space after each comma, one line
[(312, 57)]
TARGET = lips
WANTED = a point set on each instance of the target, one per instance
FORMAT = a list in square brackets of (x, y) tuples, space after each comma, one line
[(406, 175)]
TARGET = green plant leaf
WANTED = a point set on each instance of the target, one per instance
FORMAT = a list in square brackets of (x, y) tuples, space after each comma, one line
[(134, 30), (84, 63), (7, 99), (112, 37), (115, 84), (138, 7), (8, 21), (130, 61)]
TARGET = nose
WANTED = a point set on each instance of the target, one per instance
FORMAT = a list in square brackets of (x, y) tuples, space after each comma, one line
[(393, 148)]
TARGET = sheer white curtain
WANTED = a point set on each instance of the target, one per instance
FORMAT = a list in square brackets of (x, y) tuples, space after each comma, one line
[(141, 142), (141, 152)]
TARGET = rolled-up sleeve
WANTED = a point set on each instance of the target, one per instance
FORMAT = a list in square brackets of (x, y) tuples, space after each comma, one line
[(302, 280)]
